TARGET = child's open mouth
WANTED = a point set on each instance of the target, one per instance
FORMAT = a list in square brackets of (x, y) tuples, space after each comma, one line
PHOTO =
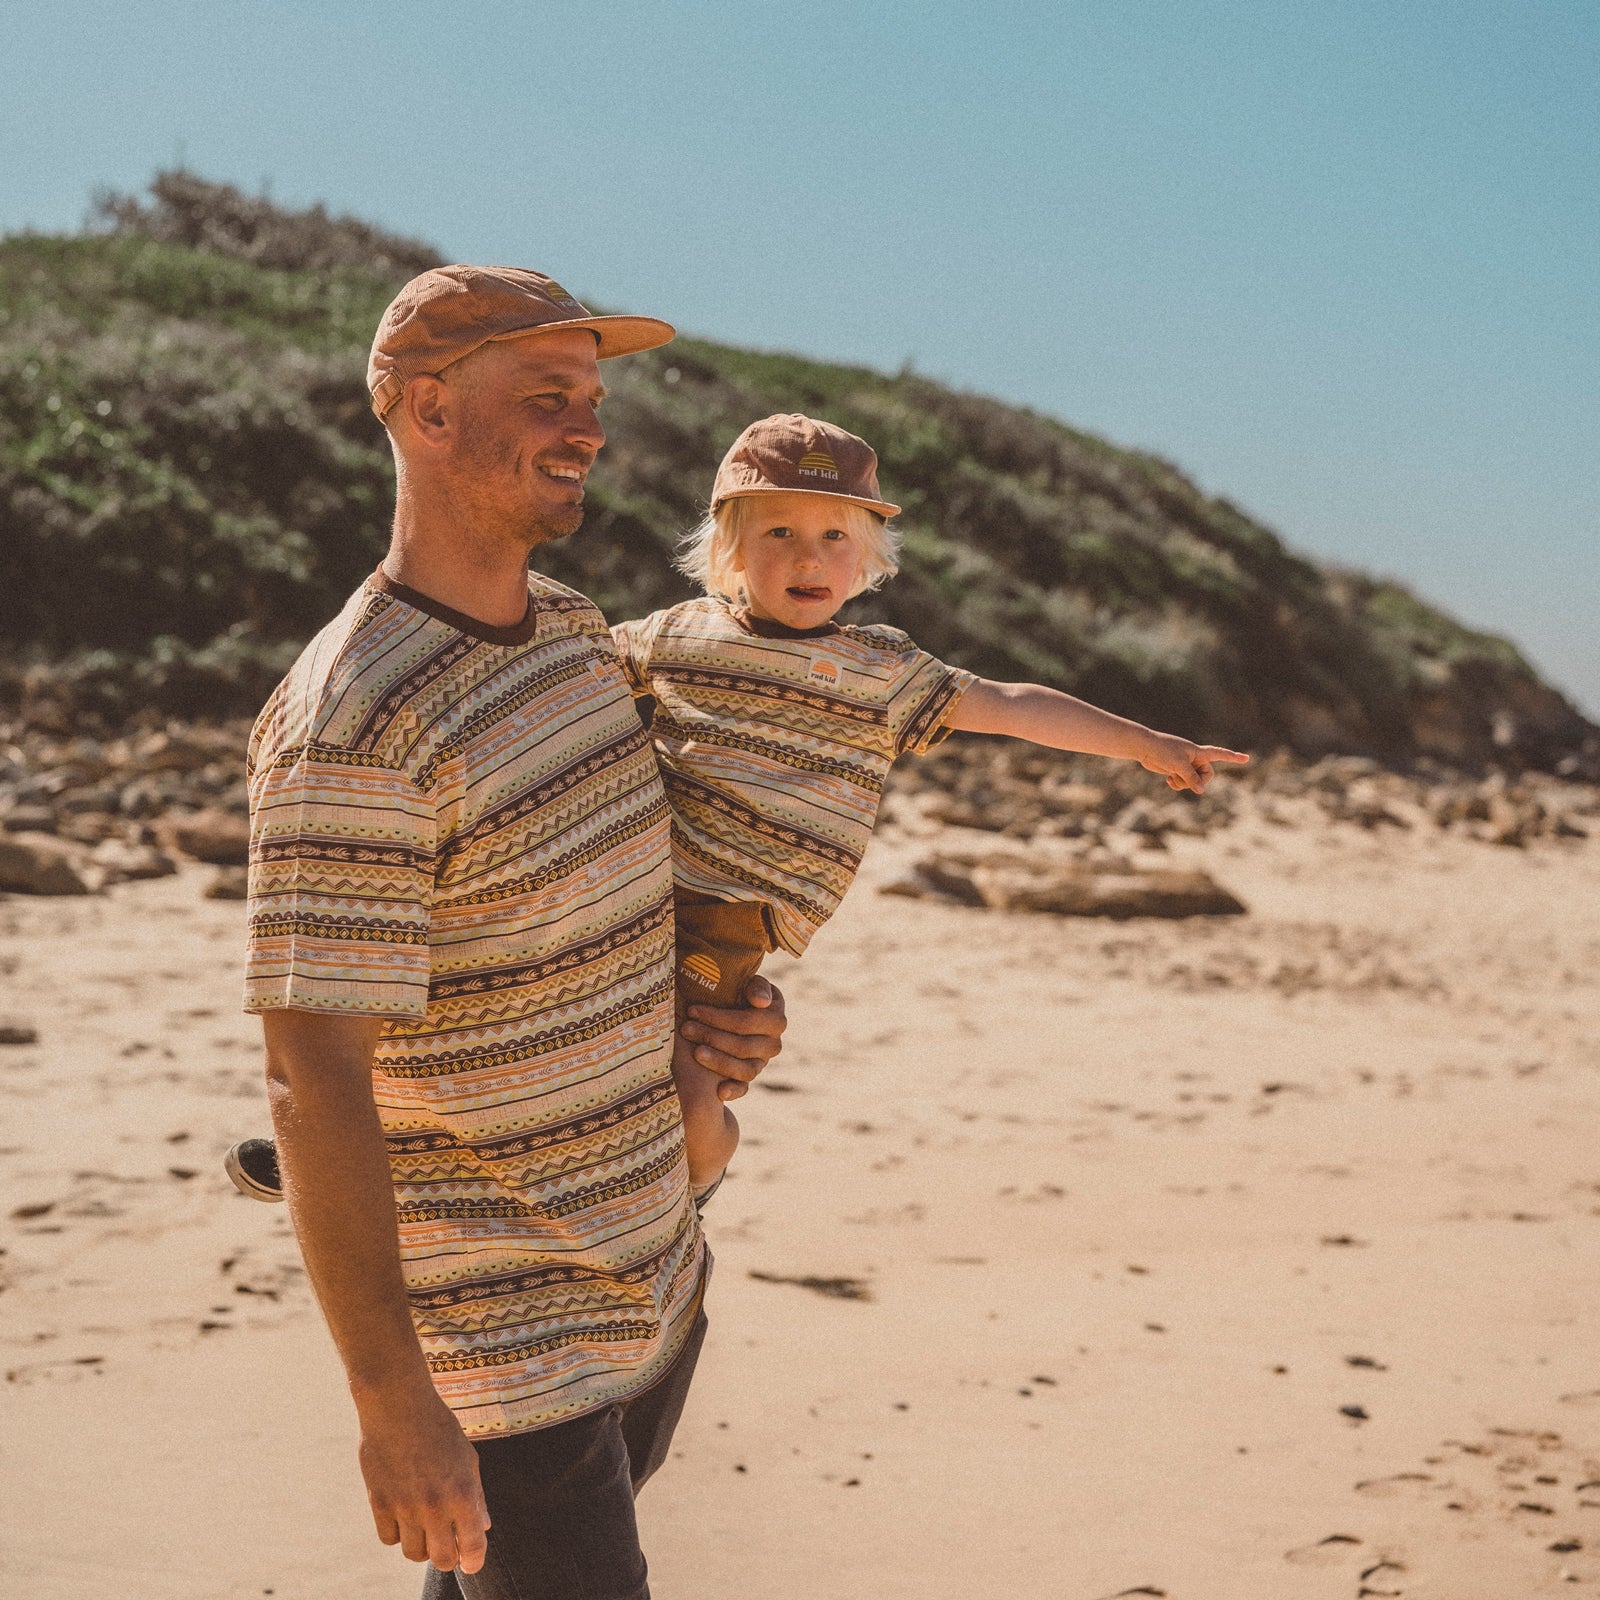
[(817, 592)]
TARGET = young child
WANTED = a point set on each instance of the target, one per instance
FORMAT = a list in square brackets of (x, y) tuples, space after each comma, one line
[(775, 727)]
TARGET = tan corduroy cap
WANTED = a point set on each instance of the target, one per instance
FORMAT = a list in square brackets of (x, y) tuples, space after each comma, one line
[(449, 312), (791, 454)]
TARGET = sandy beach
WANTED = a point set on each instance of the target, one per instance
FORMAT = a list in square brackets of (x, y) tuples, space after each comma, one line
[(1247, 1258)]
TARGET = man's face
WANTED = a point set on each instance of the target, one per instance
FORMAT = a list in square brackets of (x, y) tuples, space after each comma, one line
[(529, 433)]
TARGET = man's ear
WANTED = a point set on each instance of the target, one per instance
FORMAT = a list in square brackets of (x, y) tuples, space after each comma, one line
[(430, 406)]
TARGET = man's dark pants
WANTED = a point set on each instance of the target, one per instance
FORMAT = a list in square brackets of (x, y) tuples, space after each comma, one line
[(561, 1499)]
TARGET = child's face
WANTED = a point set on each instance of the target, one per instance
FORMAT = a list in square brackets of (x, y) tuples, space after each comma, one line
[(798, 558)]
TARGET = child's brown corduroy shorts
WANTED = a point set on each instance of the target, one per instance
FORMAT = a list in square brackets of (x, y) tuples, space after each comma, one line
[(720, 945)]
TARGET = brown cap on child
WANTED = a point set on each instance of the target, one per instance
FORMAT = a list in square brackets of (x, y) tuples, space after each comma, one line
[(449, 312), (792, 454)]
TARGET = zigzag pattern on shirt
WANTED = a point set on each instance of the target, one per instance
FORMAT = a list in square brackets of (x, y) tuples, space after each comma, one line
[(617, 765), (313, 753), (451, 651), (688, 852), (548, 1275), (270, 924), (646, 975), (553, 868), (686, 676), (463, 1208), (502, 1148), (639, 1330), (579, 954), (689, 795), (668, 731), (592, 1027), (930, 716)]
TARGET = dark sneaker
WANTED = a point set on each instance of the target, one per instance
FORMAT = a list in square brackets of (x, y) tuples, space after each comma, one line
[(253, 1168)]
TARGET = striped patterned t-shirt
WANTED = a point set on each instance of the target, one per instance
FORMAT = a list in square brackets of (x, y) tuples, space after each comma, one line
[(461, 829), (774, 745)]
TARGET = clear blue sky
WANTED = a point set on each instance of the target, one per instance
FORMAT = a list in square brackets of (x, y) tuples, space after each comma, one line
[(1340, 262)]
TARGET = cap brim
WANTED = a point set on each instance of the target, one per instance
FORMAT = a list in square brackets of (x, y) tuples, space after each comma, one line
[(618, 336), (884, 508)]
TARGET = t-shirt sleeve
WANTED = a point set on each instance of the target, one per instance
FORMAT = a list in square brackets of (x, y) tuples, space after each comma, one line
[(924, 695), (341, 887), (633, 641)]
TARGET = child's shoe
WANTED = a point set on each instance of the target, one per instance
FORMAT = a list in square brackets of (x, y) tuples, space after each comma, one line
[(252, 1165)]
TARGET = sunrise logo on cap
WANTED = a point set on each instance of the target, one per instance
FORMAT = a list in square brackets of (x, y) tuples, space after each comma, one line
[(824, 671), (818, 464), (560, 295), (703, 969)]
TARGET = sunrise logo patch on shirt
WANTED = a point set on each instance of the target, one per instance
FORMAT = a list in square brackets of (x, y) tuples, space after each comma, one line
[(703, 969)]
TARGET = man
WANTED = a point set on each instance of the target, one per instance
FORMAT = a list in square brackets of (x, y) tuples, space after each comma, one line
[(461, 951)]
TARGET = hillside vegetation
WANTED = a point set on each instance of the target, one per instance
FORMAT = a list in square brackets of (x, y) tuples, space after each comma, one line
[(191, 482)]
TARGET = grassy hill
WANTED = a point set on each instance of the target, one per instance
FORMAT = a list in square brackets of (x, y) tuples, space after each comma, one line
[(191, 482)]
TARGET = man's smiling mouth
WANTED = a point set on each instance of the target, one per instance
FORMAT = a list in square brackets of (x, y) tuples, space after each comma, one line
[(565, 474)]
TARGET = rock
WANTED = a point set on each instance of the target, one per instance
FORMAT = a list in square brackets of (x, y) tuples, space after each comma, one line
[(1009, 882), (955, 811), (1079, 892), (220, 837), (1508, 823), (231, 883), (96, 797), (17, 1030), (39, 863), (1363, 803), (121, 861), (1064, 797), (89, 827), (139, 799), (169, 752), (29, 818)]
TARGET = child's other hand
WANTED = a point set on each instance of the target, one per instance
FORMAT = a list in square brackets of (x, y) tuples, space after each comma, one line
[(1185, 765)]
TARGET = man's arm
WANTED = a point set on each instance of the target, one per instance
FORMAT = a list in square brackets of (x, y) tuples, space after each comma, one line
[(1048, 717), (421, 1472)]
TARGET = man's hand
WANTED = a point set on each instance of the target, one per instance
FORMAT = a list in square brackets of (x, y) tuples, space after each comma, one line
[(420, 1471), (422, 1480), (736, 1043), (1182, 764)]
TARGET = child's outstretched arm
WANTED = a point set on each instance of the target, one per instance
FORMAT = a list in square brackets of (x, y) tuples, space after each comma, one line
[(1046, 716)]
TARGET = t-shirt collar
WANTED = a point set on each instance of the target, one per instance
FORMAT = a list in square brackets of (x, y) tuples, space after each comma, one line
[(766, 628), (517, 633)]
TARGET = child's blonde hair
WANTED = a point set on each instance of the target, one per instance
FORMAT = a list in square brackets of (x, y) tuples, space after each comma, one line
[(709, 552)]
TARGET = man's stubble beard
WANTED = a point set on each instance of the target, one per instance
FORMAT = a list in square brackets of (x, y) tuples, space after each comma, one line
[(552, 529), (488, 460)]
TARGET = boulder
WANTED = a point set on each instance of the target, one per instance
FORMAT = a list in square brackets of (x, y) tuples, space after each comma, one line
[(1083, 892), (120, 861), (88, 827), (220, 837), (1007, 881), (230, 883), (40, 863), (172, 752), (29, 818)]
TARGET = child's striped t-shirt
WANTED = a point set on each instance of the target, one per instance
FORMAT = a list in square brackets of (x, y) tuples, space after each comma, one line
[(774, 745)]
